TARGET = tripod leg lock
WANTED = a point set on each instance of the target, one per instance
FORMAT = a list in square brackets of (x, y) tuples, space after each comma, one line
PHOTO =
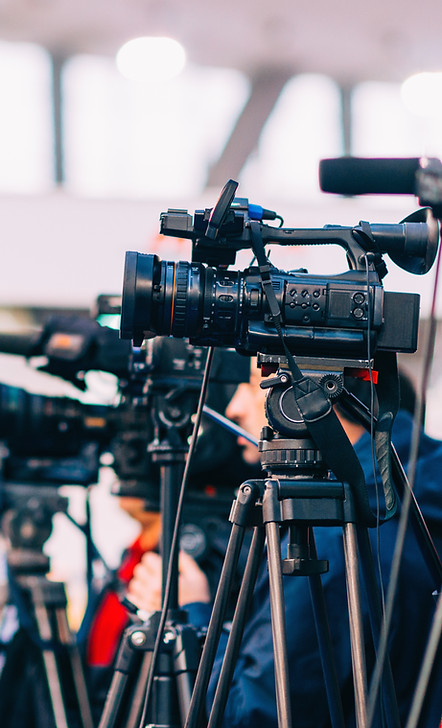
[(272, 509), (136, 639), (243, 511)]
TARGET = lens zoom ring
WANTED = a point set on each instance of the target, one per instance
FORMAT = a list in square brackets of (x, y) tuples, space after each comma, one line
[(179, 310)]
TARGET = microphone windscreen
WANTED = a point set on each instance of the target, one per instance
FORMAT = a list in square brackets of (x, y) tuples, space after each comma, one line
[(362, 176)]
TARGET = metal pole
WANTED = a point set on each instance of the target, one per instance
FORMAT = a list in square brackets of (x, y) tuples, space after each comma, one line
[(325, 644), (355, 620), (279, 632), (57, 117)]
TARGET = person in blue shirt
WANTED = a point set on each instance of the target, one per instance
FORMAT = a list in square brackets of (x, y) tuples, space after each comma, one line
[(251, 700)]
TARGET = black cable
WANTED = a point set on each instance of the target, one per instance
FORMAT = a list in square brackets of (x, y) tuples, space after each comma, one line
[(373, 453), (372, 424), (403, 520), (175, 537), (427, 665)]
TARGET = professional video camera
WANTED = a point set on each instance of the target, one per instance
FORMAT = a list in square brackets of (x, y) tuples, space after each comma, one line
[(312, 330), (321, 315), (334, 325)]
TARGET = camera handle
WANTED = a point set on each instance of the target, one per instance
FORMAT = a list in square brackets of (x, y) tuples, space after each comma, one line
[(172, 685), (41, 603), (297, 495)]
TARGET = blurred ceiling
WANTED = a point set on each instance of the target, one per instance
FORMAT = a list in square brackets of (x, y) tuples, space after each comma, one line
[(268, 41), (350, 41)]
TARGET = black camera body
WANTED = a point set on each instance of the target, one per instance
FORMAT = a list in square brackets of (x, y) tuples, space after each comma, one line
[(321, 315)]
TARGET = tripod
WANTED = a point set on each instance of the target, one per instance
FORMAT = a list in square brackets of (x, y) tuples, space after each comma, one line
[(169, 701), (298, 494), (44, 634)]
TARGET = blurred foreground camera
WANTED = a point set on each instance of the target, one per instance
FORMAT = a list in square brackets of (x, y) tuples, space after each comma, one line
[(55, 441), (51, 440)]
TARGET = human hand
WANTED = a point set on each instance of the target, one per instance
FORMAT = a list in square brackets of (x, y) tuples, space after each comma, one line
[(144, 589)]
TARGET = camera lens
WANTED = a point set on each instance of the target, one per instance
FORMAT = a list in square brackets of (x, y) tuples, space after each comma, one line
[(177, 299), (161, 297), (137, 295)]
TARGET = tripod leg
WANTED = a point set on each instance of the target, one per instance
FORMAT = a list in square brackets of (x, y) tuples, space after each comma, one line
[(50, 663), (129, 661), (186, 657), (76, 668), (355, 620), (214, 630), (168, 707), (279, 633), (49, 599), (114, 697), (375, 608), (427, 665), (325, 645), (137, 703), (243, 505), (236, 632)]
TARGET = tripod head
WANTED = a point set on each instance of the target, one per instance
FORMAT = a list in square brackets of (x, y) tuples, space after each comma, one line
[(27, 524), (286, 429), (298, 447)]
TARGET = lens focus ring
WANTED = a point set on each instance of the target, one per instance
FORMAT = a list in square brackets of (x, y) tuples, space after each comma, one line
[(179, 311)]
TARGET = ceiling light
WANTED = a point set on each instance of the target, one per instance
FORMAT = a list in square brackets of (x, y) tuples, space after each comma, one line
[(422, 94), (151, 59)]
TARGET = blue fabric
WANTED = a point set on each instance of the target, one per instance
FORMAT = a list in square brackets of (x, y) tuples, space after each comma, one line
[(252, 697)]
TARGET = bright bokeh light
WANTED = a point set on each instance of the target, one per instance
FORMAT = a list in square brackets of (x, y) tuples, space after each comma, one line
[(151, 59), (384, 125), (26, 155), (132, 139), (422, 94)]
